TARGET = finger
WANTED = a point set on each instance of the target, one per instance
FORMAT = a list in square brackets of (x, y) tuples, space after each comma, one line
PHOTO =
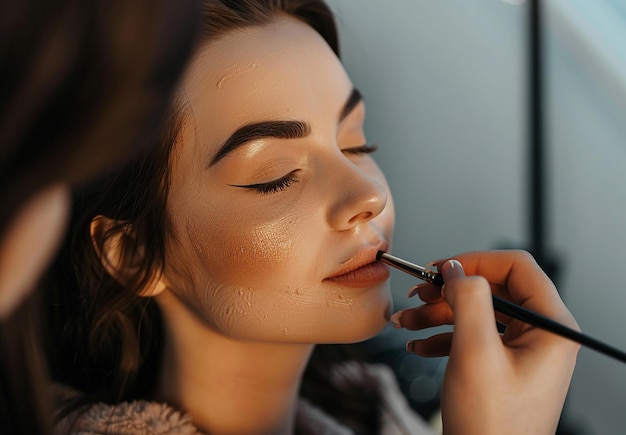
[(429, 293), (435, 346), (515, 275), (474, 317), (414, 290), (515, 270), (424, 316)]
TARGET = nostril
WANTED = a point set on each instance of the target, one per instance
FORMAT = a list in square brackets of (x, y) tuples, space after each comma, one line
[(362, 217)]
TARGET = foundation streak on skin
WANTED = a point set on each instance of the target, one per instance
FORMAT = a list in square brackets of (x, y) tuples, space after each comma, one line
[(269, 241), (234, 70)]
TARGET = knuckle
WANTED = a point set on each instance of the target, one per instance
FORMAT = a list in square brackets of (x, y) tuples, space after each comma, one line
[(473, 285), (524, 256)]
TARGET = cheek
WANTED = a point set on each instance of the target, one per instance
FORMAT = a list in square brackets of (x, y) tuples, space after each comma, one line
[(249, 278), (242, 248), (221, 265)]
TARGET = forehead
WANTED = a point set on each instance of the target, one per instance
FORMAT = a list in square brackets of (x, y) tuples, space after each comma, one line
[(283, 70)]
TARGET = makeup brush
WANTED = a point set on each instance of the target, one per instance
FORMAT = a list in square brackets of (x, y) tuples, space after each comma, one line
[(510, 309)]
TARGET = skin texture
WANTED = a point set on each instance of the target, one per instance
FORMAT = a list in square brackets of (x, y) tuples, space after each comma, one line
[(240, 257), (246, 271), (30, 242), (515, 383)]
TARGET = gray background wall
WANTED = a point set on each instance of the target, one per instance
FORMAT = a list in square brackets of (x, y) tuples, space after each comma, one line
[(445, 82)]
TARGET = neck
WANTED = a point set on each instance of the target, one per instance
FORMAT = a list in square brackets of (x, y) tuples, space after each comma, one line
[(226, 385)]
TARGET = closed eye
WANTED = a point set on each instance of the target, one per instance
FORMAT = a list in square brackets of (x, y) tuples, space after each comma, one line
[(274, 186), (363, 149)]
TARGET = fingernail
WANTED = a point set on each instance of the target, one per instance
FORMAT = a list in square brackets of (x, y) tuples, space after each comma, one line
[(410, 346), (395, 320), (452, 269), (415, 289)]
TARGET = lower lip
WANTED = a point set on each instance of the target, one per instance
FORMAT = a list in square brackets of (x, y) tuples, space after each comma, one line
[(365, 276)]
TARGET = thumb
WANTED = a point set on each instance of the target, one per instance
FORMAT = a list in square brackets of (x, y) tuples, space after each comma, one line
[(474, 317)]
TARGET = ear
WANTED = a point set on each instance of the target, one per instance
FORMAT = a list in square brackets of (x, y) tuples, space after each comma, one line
[(122, 254), (30, 242)]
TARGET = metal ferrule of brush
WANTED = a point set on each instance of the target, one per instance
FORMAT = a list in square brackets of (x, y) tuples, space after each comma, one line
[(420, 272)]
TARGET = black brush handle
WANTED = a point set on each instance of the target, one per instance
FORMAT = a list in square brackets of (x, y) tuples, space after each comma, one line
[(534, 319)]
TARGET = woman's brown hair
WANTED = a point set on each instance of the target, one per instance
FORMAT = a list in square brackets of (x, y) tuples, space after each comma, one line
[(112, 335), (83, 86)]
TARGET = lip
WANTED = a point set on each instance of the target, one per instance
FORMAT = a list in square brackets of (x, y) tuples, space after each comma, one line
[(362, 270)]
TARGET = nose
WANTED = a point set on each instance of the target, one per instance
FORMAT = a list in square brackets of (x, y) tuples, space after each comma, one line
[(357, 198)]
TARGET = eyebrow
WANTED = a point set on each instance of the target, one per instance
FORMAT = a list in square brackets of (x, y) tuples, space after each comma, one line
[(277, 129), (354, 99)]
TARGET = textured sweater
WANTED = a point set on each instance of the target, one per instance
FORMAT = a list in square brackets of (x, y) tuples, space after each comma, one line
[(152, 418)]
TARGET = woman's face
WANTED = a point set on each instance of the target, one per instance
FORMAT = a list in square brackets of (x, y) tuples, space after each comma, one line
[(277, 209)]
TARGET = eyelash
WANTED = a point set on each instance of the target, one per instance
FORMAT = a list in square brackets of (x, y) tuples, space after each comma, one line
[(291, 178), (363, 149), (275, 186)]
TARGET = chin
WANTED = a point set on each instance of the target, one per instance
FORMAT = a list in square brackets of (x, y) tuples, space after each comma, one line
[(366, 324), (374, 327)]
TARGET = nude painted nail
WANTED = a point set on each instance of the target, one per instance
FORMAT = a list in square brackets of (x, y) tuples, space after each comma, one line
[(410, 346), (413, 290), (395, 320)]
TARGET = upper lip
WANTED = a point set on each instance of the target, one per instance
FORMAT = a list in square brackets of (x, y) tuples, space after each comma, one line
[(362, 258)]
